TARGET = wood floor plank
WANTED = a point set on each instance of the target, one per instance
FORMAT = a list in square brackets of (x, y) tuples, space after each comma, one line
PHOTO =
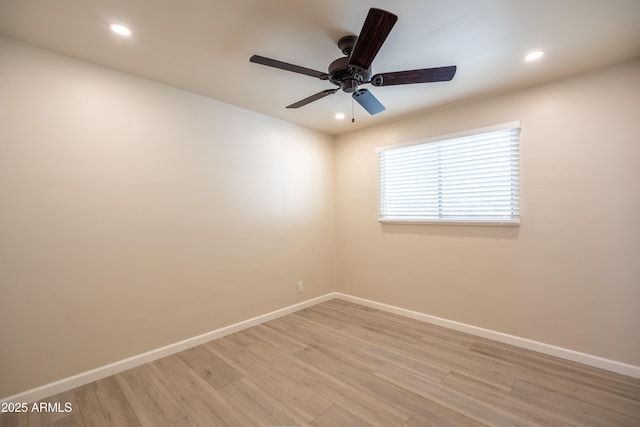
[(505, 400), (444, 417), (284, 342), (211, 368), (584, 413), (605, 375), (330, 340), (471, 407), (241, 338), (102, 403), (325, 319), (424, 329), (230, 343), (574, 371), (152, 403), (366, 320), (336, 390), (201, 400), (568, 375), (436, 371), (492, 348), (342, 304), (381, 355), (72, 420), (471, 358), (14, 419), (40, 415), (316, 384), (589, 392), (258, 405), (337, 416), (396, 395), (291, 384), (171, 365), (481, 371)]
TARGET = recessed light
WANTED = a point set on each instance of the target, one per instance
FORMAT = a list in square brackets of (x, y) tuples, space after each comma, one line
[(534, 56), (120, 29), (339, 116)]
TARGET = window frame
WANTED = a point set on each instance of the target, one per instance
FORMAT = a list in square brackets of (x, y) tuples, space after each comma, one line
[(442, 138)]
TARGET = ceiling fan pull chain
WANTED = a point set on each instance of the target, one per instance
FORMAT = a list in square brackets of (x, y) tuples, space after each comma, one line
[(353, 118)]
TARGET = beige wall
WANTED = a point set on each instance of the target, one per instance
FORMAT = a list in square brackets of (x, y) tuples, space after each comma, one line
[(570, 274), (134, 215)]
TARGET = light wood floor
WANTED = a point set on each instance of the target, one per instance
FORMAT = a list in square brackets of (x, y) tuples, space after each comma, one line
[(341, 364)]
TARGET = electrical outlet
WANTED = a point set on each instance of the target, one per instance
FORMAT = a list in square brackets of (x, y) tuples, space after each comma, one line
[(300, 287)]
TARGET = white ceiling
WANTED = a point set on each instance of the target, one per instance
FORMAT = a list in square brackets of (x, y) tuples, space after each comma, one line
[(204, 46)]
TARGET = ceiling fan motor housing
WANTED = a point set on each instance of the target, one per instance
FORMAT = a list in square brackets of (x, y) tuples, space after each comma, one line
[(348, 78)]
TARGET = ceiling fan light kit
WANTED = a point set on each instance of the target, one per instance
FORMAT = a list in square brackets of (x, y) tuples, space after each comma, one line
[(348, 73)]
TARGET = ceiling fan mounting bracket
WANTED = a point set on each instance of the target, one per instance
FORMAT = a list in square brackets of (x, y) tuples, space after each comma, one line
[(346, 44)]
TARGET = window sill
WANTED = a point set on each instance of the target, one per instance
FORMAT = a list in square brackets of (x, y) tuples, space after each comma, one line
[(506, 223)]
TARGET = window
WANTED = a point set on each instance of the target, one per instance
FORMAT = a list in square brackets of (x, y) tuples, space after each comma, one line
[(470, 178)]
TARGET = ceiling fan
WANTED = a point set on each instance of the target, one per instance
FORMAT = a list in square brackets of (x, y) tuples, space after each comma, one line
[(354, 69)]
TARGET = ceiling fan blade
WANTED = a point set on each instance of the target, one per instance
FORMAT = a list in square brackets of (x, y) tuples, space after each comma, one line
[(368, 101), (312, 98), (375, 30), (425, 75), (257, 59)]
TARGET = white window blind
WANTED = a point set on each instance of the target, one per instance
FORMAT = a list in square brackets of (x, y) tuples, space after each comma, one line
[(467, 179)]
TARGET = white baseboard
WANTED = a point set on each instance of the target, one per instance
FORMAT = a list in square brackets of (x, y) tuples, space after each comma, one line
[(83, 378), (552, 350)]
